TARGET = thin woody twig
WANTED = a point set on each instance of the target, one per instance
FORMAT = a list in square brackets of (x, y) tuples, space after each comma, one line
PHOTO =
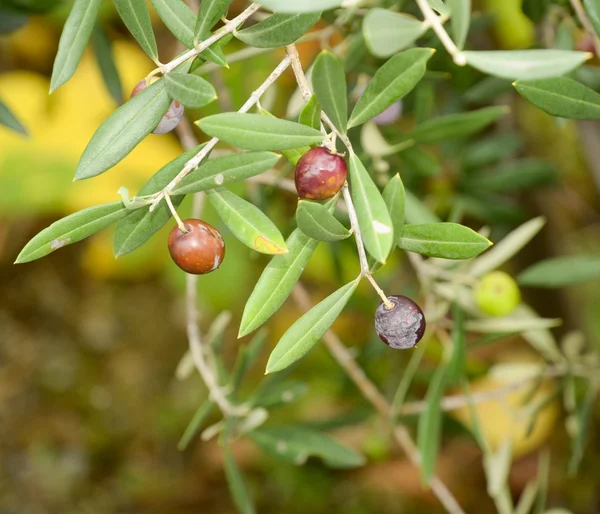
[(434, 22), (345, 359), (587, 24)]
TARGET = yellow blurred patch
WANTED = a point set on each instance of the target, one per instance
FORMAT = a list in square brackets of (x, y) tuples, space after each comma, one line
[(512, 28)]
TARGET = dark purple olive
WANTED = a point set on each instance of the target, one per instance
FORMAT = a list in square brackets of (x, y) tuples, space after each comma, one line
[(402, 326), (320, 174)]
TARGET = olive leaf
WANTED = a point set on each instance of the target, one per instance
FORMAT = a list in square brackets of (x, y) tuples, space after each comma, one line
[(315, 221)]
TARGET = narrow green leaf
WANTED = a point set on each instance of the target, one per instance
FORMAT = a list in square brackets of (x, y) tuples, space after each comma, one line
[(195, 424), (300, 7), (237, 484), (543, 476), (394, 80), (387, 32), (293, 154), (247, 222), (10, 20), (277, 280), (583, 417), (211, 11), (439, 6), (278, 30), (310, 115), (460, 20), (491, 149), (123, 130), (307, 331), (408, 375), (225, 170), (512, 176), (257, 132), (443, 240), (73, 40), (416, 211), (430, 424), (421, 161), (453, 126), (315, 221), (394, 197), (511, 324), (526, 64), (274, 392), (245, 358), (592, 8), (178, 18), (71, 229), (295, 444), (8, 119), (190, 90), (562, 96), (106, 62), (140, 225), (507, 248), (456, 366), (487, 90), (329, 83), (561, 271), (373, 215), (136, 17)]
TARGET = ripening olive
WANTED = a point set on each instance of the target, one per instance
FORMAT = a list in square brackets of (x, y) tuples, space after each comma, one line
[(320, 174), (198, 251)]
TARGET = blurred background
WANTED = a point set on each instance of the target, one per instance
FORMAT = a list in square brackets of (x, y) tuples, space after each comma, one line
[(91, 412)]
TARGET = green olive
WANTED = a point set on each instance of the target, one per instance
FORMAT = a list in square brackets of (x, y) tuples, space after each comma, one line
[(497, 294)]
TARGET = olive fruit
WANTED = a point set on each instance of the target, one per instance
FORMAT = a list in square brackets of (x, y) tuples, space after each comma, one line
[(198, 251), (173, 115), (320, 174), (497, 294), (402, 326)]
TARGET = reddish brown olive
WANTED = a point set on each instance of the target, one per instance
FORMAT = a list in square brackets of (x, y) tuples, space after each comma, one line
[(198, 251), (320, 174), (173, 115), (401, 326)]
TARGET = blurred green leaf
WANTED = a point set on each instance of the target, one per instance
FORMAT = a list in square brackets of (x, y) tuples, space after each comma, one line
[(329, 83), (10, 20), (275, 393), (123, 130), (387, 32), (407, 377), (430, 424), (315, 221), (395, 199), (439, 6), (592, 8), (278, 30), (456, 366), (454, 126), (527, 498), (225, 170), (510, 324), (525, 64), (71, 229), (8, 119), (423, 162), (394, 80), (507, 248), (300, 6), (491, 149), (246, 357), (562, 96), (306, 332), (295, 444), (460, 20), (106, 62), (258, 132), (73, 40), (211, 11), (512, 176), (561, 271), (136, 17), (443, 240), (543, 477), (497, 468), (487, 90), (416, 211), (195, 424), (189, 90), (373, 215), (247, 222), (237, 484), (140, 225), (310, 115), (583, 416)]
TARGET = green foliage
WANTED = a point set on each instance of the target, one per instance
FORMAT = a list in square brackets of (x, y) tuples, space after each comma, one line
[(190, 90), (278, 30), (329, 82), (316, 222), (134, 14), (387, 32), (8, 119)]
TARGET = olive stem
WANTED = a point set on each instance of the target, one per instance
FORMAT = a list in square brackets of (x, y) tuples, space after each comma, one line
[(174, 213), (345, 359), (195, 161), (435, 23)]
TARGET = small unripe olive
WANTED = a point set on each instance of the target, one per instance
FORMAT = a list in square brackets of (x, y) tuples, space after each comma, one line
[(320, 174), (402, 326), (198, 251), (497, 294), (173, 115)]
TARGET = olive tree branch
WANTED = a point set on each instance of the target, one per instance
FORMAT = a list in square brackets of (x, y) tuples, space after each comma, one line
[(432, 20), (195, 161), (587, 24), (345, 359)]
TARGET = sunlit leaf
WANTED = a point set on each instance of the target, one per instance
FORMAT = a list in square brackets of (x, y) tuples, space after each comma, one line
[(278, 30), (329, 83), (315, 221), (257, 132), (136, 17), (373, 215), (73, 40), (305, 333), (387, 32), (395, 79), (443, 240), (295, 444), (247, 222), (525, 64)]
